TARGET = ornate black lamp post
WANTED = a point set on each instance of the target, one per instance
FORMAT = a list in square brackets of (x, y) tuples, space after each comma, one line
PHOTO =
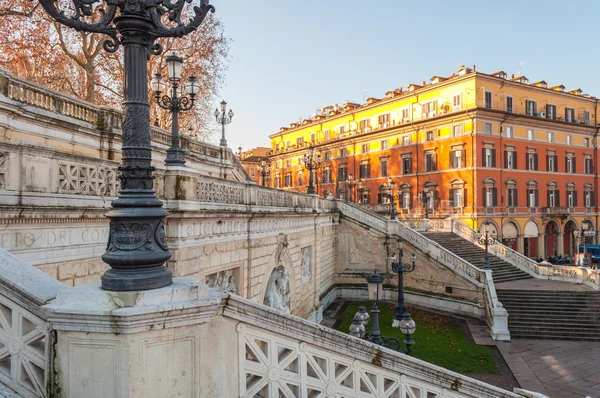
[(264, 170), (402, 318), (311, 164), (175, 103), (137, 247), (393, 211), (223, 117), (487, 241), (583, 236), (425, 195), (375, 284)]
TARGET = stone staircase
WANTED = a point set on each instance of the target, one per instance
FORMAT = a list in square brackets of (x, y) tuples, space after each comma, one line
[(552, 314), (501, 270)]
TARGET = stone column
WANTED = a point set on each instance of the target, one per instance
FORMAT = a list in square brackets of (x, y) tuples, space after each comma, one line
[(541, 245), (560, 244), (520, 244)]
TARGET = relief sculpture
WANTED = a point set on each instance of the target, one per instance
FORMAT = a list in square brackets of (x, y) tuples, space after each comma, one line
[(277, 293), (224, 280)]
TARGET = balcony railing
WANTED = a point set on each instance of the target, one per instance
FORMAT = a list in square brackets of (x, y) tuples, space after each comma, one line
[(557, 210)]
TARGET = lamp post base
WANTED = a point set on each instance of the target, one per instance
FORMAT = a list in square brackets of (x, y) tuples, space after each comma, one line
[(124, 280), (175, 157), (223, 142)]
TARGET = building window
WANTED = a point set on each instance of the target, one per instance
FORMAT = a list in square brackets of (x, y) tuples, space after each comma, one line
[(384, 145), (364, 125), (551, 162), (405, 115), (509, 132), (570, 164), (589, 199), (343, 152), (457, 197), (571, 198), (326, 135), (429, 109), (488, 99), (456, 102), (312, 138), (277, 182), (288, 180), (551, 111), (570, 115), (569, 139), (490, 196), (364, 148), (288, 163), (588, 166), (586, 117), (552, 198), (327, 155), (430, 162), (300, 180), (510, 160), (532, 161), (530, 108), (288, 144), (586, 142), (383, 167), (364, 170), (511, 197), (406, 165), (341, 176), (530, 135), (457, 158), (532, 198), (327, 175), (406, 199), (299, 141), (550, 137), (364, 196), (252, 171), (489, 157), (384, 121), (487, 128), (457, 130), (406, 140), (430, 135), (509, 104)]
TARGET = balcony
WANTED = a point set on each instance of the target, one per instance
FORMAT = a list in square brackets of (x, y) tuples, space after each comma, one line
[(557, 211)]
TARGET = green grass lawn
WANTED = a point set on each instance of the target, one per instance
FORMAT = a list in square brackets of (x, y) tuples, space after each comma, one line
[(437, 340)]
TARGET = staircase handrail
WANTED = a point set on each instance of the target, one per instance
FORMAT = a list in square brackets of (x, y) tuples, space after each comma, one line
[(497, 249), (496, 315), (426, 245)]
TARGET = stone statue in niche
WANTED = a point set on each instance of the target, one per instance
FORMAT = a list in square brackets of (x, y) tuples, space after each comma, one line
[(305, 265), (224, 280), (277, 293)]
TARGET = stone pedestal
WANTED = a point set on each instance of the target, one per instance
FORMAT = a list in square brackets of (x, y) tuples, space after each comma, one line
[(138, 344)]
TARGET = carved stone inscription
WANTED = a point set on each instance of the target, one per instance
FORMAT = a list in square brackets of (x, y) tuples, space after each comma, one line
[(51, 238)]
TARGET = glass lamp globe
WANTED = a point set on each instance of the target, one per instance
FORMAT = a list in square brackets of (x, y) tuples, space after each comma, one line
[(375, 284), (192, 87), (357, 329), (407, 325), (174, 65), (230, 114), (362, 315), (157, 83)]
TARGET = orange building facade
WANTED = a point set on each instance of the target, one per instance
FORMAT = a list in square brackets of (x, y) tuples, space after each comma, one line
[(480, 147), (252, 160)]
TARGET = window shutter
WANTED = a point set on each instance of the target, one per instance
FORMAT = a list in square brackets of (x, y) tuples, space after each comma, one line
[(494, 196), (548, 198), (534, 108), (515, 161), (537, 197), (535, 161), (557, 193), (566, 164), (451, 195), (409, 165), (574, 198), (505, 159), (451, 157), (515, 197), (483, 163), (434, 158), (547, 110), (548, 163), (593, 198), (574, 165), (464, 203), (484, 196), (493, 158), (529, 198)]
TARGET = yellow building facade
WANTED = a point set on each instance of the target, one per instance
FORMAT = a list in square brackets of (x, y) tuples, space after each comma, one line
[(480, 147)]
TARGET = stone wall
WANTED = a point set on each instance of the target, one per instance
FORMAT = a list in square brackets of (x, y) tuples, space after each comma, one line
[(362, 249)]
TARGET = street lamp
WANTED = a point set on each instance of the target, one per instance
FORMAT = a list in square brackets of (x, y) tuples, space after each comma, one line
[(311, 164), (375, 285), (137, 249), (402, 318), (425, 196), (349, 183), (393, 212), (487, 241), (223, 117), (264, 170), (582, 236), (175, 103)]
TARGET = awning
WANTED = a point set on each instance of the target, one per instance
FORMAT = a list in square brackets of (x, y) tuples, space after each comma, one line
[(509, 231), (531, 230)]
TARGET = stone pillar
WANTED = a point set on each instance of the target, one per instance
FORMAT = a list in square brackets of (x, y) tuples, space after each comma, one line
[(560, 244), (541, 245), (166, 342), (521, 244)]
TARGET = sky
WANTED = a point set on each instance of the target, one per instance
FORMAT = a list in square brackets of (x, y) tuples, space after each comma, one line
[(289, 58)]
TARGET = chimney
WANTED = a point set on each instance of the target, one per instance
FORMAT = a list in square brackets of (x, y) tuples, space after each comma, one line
[(424, 83), (474, 68), (512, 76)]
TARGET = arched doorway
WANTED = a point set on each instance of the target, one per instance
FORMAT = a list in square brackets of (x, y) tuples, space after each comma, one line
[(530, 235), (570, 244), (510, 233), (550, 235)]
